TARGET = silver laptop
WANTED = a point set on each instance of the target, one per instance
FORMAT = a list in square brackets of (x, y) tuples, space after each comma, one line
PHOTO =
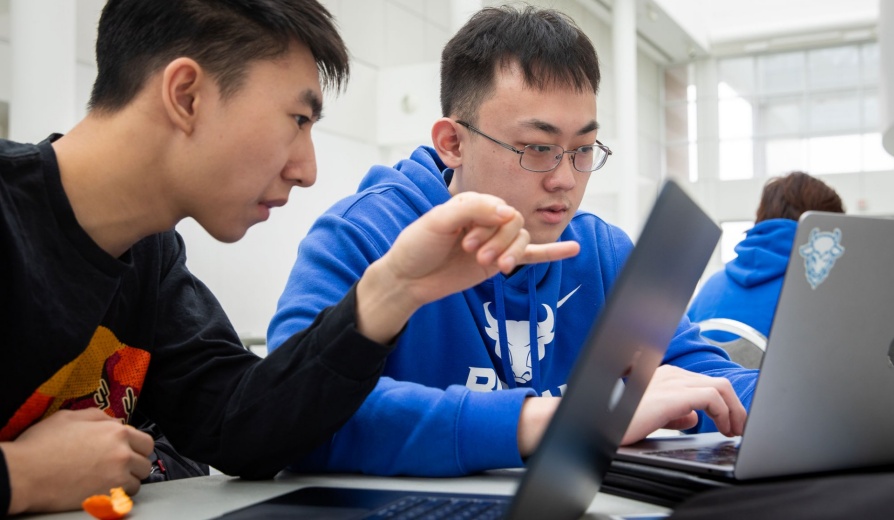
[(825, 397), (627, 341)]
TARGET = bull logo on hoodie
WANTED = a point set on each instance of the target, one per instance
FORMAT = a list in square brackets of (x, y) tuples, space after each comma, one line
[(820, 252), (519, 341)]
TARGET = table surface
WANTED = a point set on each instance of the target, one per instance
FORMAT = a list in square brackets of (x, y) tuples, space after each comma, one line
[(208, 497)]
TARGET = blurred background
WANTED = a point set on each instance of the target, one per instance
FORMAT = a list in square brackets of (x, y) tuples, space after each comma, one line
[(718, 94)]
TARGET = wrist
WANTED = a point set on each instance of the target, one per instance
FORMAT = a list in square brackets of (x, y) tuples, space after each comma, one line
[(384, 303), (535, 415), (17, 488)]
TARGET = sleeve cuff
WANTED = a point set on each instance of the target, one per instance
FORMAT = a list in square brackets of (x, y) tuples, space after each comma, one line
[(488, 429)]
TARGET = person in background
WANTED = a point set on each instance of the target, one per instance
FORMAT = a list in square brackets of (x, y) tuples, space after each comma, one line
[(747, 288), (518, 97), (200, 109)]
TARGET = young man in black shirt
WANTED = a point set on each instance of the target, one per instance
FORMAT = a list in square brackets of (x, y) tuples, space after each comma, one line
[(200, 109)]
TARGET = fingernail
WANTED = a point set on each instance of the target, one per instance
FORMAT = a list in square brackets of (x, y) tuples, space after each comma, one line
[(488, 256), (472, 244)]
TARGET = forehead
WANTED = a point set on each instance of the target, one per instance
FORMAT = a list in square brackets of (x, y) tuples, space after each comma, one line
[(513, 101), (292, 74)]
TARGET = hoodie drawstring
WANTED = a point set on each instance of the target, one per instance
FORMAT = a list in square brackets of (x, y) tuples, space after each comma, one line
[(534, 351), (508, 374), (532, 332)]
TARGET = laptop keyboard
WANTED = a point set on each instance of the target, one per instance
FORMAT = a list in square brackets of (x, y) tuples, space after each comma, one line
[(725, 454), (433, 508)]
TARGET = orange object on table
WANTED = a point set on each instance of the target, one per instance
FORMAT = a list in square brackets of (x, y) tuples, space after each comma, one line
[(113, 506)]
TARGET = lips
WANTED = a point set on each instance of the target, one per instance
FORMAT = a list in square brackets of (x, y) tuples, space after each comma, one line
[(554, 214), (275, 203), (264, 207)]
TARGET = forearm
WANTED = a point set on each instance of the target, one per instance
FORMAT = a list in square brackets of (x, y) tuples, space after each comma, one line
[(384, 304), (250, 417), (408, 429), (323, 273)]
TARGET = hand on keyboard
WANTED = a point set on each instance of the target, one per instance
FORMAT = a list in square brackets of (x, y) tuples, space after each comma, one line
[(674, 395)]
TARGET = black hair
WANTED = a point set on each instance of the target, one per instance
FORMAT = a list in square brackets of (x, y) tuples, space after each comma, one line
[(548, 46), (136, 38)]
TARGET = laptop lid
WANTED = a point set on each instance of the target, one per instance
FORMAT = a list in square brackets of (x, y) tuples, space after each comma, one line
[(628, 341), (825, 395)]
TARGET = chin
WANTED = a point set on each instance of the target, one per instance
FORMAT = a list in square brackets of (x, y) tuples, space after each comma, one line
[(233, 237), (227, 236), (546, 237)]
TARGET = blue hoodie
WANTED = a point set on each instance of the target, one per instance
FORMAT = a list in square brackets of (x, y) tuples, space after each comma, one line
[(436, 411), (747, 289)]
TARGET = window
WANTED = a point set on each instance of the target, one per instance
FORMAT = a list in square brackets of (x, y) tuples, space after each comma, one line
[(813, 110)]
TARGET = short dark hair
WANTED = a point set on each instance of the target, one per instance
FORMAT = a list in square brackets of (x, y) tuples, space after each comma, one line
[(136, 38), (548, 46), (791, 195)]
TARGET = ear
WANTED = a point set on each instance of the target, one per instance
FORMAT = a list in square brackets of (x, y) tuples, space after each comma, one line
[(182, 82), (445, 139)]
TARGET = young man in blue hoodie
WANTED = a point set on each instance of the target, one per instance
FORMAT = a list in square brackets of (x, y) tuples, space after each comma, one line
[(518, 96), (747, 289)]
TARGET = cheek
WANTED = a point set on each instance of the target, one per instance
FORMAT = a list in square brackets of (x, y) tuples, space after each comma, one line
[(263, 153), (267, 137), (519, 191), (499, 175)]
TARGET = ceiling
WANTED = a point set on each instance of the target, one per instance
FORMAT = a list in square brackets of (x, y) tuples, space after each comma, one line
[(677, 29), (720, 26)]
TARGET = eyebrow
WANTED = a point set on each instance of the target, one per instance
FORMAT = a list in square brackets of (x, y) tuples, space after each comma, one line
[(311, 99), (549, 128)]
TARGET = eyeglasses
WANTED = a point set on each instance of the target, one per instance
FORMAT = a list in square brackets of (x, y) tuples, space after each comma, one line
[(542, 158)]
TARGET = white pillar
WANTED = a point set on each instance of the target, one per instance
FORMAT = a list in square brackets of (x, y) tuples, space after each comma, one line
[(626, 92), (43, 75)]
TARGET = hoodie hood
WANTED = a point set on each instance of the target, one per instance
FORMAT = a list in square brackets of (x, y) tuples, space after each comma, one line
[(763, 254), (420, 178)]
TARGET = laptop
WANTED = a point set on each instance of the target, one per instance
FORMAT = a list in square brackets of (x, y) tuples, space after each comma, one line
[(623, 349), (824, 400)]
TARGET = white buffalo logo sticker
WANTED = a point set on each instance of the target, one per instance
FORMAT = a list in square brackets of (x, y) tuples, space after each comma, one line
[(820, 252), (519, 339)]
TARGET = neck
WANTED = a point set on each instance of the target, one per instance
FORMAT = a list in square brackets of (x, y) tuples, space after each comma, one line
[(114, 174)]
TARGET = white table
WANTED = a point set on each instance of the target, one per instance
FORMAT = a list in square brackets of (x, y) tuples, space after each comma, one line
[(207, 497)]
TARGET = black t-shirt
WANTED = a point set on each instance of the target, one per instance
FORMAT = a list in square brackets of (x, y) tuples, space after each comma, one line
[(84, 329)]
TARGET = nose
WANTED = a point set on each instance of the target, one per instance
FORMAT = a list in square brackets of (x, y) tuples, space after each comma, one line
[(563, 177), (301, 168)]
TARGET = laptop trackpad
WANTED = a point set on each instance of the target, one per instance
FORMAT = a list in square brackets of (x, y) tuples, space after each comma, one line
[(338, 503), (318, 502)]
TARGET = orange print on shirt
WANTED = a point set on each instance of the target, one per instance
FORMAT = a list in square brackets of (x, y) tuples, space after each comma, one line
[(108, 375)]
